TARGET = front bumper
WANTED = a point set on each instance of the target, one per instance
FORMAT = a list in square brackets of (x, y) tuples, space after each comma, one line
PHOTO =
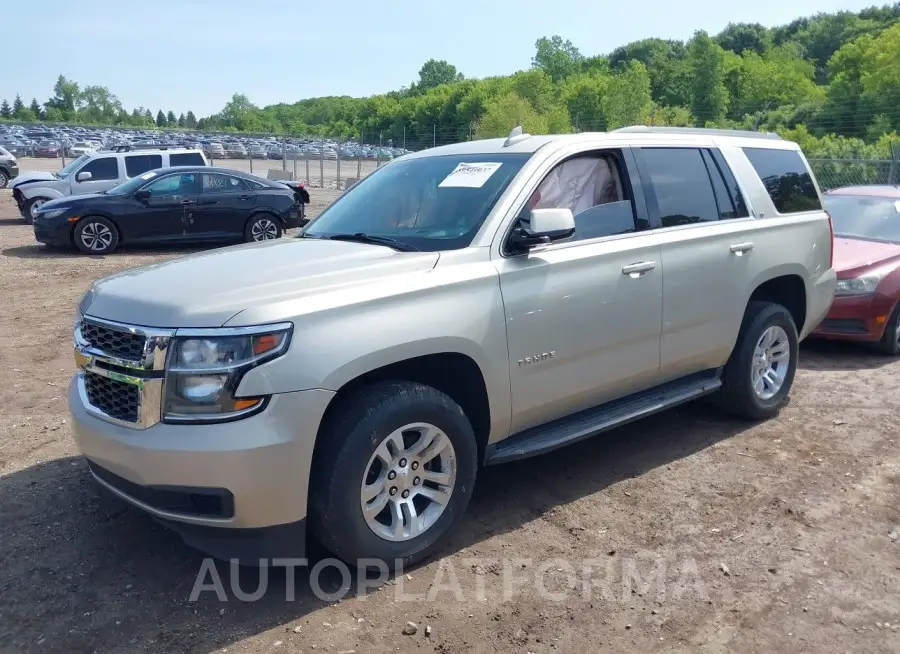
[(258, 467), (820, 294), (857, 318), (52, 231)]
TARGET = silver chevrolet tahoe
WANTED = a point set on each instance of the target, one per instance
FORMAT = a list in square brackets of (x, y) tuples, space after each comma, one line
[(463, 306)]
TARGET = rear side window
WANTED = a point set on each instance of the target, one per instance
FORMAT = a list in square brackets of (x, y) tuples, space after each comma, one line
[(786, 178), (103, 168), (682, 185), (186, 159), (138, 164)]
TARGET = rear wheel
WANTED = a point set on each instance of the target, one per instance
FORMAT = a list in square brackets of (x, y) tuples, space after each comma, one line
[(4, 179), (31, 206), (760, 372), (890, 341), (96, 235), (262, 227), (396, 473)]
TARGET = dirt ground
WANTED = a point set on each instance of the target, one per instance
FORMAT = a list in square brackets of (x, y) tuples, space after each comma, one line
[(314, 172), (687, 532)]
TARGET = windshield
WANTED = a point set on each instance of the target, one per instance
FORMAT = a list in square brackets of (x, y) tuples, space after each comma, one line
[(133, 184), (431, 203), (867, 217), (72, 165)]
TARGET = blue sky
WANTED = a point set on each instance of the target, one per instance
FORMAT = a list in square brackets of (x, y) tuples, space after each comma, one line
[(193, 54)]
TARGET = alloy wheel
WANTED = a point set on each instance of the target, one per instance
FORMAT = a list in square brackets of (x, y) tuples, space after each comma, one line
[(408, 482), (264, 230), (96, 236), (771, 359)]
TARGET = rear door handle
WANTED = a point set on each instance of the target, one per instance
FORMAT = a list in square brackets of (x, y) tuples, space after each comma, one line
[(188, 202), (740, 248), (635, 270), (246, 197)]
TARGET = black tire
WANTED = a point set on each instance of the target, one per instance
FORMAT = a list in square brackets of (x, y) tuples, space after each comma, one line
[(262, 224), (350, 438), (890, 343), (29, 207), (737, 395), (105, 232), (4, 179)]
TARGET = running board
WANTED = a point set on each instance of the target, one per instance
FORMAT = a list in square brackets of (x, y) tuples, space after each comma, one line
[(590, 422)]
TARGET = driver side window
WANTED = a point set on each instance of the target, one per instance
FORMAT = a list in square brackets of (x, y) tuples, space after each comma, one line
[(171, 185), (593, 186)]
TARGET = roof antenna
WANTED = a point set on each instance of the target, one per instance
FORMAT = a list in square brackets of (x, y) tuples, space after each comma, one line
[(515, 136)]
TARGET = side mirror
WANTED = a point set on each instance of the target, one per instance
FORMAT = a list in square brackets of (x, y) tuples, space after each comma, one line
[(142, 195), (83, 177), (544, 226)]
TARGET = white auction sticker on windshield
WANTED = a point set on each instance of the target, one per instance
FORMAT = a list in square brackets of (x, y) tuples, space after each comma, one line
[(470, 175), (148, 175)]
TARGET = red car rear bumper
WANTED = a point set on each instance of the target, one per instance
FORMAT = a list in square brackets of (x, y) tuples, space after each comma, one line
[(857, 317)]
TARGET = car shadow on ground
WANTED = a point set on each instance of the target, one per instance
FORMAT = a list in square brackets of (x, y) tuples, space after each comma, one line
[(12, 222), (88, 570), (38, 251), (816, 354)]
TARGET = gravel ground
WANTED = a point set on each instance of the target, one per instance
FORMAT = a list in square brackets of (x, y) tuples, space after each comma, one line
[(686, 532), (318, 174)]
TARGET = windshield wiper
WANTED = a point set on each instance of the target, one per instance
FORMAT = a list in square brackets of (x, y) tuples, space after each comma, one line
[(361, 237)]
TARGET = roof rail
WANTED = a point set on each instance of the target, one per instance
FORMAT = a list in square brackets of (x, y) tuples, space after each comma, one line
[(129, 148), (699, 130)]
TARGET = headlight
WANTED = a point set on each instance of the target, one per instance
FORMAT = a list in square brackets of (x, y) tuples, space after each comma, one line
[(206, 366), (52, 213), (864, 283)]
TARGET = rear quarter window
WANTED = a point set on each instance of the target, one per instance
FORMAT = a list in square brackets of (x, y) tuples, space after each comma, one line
[(186, 159), (787, 179), (138, 164)]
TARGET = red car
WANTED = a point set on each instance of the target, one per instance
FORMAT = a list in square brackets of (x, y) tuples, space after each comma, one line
[(866, 221)]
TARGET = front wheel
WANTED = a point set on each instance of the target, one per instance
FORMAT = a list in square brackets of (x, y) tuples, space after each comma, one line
[(396, 473), (4, 179), (262, 227), (96, 235), (31, 206), (890, 341), (760, 372)]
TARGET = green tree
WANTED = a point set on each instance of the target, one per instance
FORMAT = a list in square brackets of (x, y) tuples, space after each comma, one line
[(18, 106), (557, 57), (664, 60), (5, 111), (98, 105), (160, 119), (36, 109), (181, 120), (66, 100), (627, 99), (709, 96), (503, 113), (740, 37), (190, 120), (434, 73), (170, 118), (583, 95)]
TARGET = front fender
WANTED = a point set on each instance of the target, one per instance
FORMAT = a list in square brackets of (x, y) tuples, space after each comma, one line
[(30, 191)]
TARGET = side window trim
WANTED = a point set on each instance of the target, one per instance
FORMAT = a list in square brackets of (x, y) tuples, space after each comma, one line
[(722, 204), (738, 200)]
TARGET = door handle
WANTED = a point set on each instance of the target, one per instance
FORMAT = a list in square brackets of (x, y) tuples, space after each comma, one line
[(635, 270), (188, 202), (245, 197), (740, 248)]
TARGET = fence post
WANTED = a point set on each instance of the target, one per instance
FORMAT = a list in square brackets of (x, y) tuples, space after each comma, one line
[(434, 136), (62, 153), (895, 160), (338, 187), (250, 156), (295, 164), (321, 167), (306, 159), (283, 154)]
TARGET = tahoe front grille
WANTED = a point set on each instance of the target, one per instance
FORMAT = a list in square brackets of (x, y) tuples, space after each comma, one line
[(116, 399), (114, 342)]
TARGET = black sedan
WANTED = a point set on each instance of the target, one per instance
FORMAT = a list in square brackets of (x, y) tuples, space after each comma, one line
[(173, 205)]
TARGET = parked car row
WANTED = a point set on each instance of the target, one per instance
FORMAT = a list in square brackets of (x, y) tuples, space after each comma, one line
[(55, 142)]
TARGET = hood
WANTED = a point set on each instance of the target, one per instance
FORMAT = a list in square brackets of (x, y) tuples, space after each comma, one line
[(209, 288), (853, 256), (37, 176), (71, 200)]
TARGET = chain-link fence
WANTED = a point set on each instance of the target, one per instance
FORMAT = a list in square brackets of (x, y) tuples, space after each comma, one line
[(331, 163)]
